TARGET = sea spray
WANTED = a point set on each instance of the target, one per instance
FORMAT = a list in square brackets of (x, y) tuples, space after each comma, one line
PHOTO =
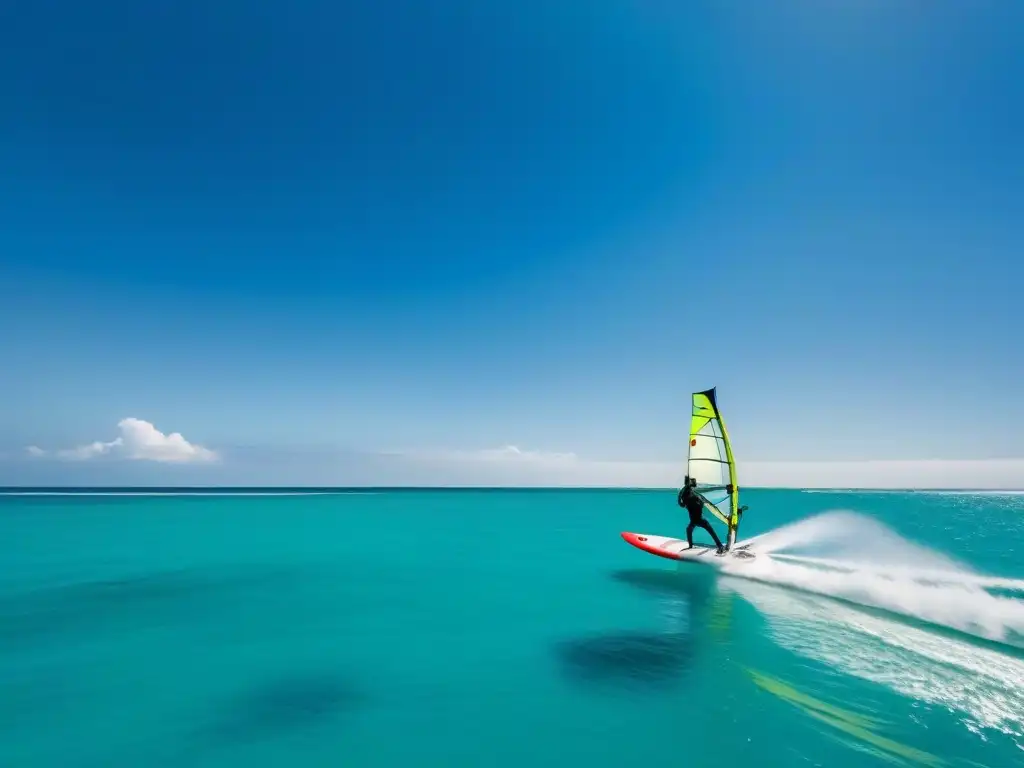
[(853, 537), (856, 558), (984, 684)]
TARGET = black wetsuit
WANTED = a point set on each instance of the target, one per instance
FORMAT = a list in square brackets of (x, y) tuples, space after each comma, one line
[(693, 504)]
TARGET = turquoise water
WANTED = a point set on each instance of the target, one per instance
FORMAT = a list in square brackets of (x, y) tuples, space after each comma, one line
[(503, 628)]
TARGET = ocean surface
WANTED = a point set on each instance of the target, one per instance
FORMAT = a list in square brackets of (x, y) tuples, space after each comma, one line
[(507, 628)]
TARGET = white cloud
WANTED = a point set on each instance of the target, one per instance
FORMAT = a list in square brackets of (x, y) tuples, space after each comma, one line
[(515, 466), (83, 452), (139, 440), (518, 467)]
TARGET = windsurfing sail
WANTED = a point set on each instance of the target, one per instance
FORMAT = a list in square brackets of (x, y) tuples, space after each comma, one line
[(710, 462)]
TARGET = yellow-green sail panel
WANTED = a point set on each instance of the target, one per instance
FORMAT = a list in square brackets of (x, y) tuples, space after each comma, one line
[(711, 462)]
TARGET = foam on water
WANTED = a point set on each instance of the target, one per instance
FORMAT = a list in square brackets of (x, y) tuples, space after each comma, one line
[(856, 558), (983, 686)]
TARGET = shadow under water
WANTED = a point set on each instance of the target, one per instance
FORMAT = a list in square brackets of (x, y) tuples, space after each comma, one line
[(636, 659), (696, 588), (626, 659), (58, 612), (272, 708)]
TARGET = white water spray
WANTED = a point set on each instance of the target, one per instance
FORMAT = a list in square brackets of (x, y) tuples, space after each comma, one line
[(984, 685), (856, 558)]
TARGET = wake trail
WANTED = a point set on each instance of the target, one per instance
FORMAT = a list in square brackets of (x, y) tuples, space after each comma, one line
[(859, 559), (921, 575)]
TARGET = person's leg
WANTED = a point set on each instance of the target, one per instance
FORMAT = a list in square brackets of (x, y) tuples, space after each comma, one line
[(707, 527), (689, 533)]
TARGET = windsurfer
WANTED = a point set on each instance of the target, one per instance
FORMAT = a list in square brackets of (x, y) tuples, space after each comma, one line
[(692, 502)]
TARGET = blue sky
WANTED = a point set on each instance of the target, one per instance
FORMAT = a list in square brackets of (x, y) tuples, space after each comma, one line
[(364, 242)]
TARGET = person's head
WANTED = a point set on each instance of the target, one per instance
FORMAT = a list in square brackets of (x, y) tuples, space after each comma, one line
[(693, 482)]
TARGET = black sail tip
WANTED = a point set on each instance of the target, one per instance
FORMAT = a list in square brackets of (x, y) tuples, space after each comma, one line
[(710, 394)]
